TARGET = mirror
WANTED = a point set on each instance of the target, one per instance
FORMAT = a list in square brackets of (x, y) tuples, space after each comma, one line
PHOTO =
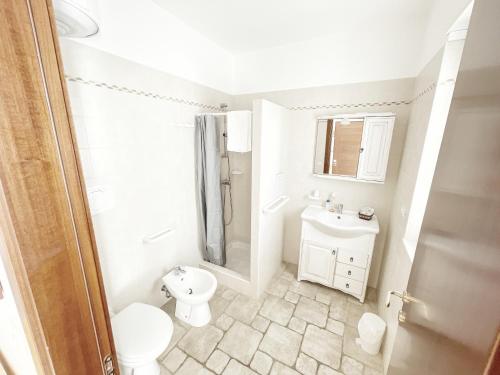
[(353, 147)]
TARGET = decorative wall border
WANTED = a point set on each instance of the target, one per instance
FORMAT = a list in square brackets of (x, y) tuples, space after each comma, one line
[(147, 94), (215, 108), (427, 90)]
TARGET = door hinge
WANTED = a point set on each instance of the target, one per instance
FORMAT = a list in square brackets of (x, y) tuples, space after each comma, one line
[(109, 368)]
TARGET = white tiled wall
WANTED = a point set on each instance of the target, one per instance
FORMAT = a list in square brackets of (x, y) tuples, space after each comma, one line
[(301, 134), (137, 155)]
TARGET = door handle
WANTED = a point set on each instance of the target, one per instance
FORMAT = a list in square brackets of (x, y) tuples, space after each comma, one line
[(405, 297)]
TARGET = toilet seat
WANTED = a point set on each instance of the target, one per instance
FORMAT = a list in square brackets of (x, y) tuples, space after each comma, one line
[(141, 333)]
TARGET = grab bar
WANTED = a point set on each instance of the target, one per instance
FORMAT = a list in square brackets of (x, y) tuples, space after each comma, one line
[(156, 236), (275, 205)]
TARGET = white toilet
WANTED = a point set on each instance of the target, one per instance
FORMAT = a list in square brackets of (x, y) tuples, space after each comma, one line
[(192, 288), (141, 333)]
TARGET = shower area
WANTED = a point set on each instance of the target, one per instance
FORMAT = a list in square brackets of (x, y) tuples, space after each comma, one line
[(223, 148)]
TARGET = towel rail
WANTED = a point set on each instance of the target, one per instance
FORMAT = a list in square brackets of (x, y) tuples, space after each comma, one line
[(156, 236), (276, 205)]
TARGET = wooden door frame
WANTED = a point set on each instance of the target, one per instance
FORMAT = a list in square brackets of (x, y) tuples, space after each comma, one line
[(41, 21)]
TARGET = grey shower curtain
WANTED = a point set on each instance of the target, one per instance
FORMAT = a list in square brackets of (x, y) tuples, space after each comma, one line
[(210, 207)]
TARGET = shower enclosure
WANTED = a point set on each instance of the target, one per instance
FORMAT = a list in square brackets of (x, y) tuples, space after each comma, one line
[(224, 193), (253, 192)]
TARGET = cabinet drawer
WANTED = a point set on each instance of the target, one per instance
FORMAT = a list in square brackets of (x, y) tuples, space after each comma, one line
[(352, 258), (348, 285), (351, 272)]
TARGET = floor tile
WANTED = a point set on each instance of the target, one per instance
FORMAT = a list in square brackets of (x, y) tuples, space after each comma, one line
[(277, 310), (281, 343), (297, 325), (241, 342), (177, 334), (292, 297), (244, 308), (224, 322), (236, 368), (351, 366), (353, 350), (191, 367), (323, 346), (280, 369), (229, 294), (200, 342), (295, 328), (370, 371), (306, 365), (278, 287), (218, 305), (261, 363), (323, 297), (174, 359), (335, 326), (260, 323), (325, 370), (311, 311), (338, 309), (303, 288), (217, 361)]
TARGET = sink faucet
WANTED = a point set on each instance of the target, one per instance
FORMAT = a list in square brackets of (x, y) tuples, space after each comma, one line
[(178, 270), (339, 207)]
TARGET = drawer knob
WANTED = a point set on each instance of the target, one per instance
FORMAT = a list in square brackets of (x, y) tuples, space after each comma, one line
[(347, 285), (349, 272), (333, 252), (351, 259)]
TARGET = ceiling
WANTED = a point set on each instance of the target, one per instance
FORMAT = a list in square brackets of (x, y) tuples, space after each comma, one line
[(247, 25)]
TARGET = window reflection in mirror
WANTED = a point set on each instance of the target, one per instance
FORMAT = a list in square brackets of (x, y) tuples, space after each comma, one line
[(338, 145), (353, 147)]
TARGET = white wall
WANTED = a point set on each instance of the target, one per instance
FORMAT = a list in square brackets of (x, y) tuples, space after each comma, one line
[(130, 145), (363, 50), (442, 16), (143, 32), (364, 54), (269, 177), (397, 263), (300, 133)]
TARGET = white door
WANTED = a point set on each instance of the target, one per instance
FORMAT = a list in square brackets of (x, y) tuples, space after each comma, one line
[(375, 147), (317, 263)]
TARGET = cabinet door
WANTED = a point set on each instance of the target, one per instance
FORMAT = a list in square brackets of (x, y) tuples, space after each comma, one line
[(317, 263), (375, 147)]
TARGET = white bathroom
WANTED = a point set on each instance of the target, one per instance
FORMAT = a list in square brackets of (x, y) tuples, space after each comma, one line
[(258, 178)]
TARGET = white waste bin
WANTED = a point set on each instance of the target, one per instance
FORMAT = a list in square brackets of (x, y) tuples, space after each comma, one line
[(371, 329)]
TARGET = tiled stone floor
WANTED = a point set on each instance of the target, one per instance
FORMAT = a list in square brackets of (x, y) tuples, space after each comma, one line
[(295, 328)]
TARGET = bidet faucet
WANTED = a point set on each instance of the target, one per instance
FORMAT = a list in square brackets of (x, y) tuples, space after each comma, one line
[(178, 270), (339, 207)]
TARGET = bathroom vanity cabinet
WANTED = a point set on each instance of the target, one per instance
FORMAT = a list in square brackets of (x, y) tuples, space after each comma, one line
[(336, 250)]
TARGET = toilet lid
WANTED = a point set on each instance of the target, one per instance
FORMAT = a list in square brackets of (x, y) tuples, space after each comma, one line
[(141, 332)]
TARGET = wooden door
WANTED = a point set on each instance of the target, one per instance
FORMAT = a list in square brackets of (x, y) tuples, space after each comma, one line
[(44, 217), (346, 148), (453, 327)]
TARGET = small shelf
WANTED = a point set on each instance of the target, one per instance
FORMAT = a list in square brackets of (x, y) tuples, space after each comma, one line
[(345, 178)]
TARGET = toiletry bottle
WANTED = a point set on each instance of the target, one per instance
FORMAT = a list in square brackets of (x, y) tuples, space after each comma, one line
[(328, 205), (332, 202)]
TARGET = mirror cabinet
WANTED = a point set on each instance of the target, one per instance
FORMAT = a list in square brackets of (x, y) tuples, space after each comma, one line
[(353, 147)]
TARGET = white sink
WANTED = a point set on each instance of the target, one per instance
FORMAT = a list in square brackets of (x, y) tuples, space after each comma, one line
[(347, 224)]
